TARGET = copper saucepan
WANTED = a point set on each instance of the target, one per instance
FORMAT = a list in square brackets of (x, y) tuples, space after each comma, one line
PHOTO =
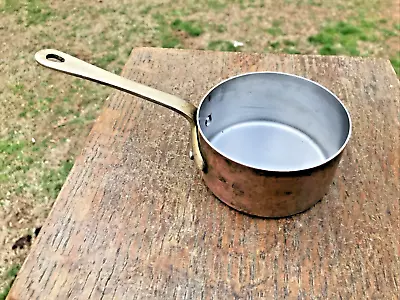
[(266, 143)]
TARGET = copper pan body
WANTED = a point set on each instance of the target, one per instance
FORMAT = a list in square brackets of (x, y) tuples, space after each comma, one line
[(264, 193), (271, 142)]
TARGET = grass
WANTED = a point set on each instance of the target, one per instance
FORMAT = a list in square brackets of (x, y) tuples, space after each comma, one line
[(275, 29), (275, 45), (9, 278), (285, 46), (289, 43), (221, 46), (10, 147), (18, 158), (220, 28), (34, 12), (11, 6), (395, 60), (192, 28), (146, 10), (37, 12), (53, 179), (106, 60), (14, 164), (315, 2), (168, 40), (166, 36), (343, 38), (291, 50), (388, 33), (216, 4)]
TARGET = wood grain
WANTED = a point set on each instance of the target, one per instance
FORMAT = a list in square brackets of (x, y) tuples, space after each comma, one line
[(135, 221)]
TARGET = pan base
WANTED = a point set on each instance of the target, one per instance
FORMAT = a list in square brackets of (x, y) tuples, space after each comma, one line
[(269, 146)]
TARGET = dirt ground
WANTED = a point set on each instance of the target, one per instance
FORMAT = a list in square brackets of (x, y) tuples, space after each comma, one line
[(45, 116)]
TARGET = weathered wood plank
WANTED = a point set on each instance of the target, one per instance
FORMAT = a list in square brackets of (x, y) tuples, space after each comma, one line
[(135, 221)]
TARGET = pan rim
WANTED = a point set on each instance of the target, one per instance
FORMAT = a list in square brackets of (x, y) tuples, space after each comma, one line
[(326, 161)]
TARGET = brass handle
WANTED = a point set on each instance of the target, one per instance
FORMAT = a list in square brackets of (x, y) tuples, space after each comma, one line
[(68, 64)]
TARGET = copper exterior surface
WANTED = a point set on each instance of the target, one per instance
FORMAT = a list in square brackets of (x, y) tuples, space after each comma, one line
[(134, 219), (263, 193)]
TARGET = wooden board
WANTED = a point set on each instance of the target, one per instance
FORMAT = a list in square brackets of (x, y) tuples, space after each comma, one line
[(135, 221)]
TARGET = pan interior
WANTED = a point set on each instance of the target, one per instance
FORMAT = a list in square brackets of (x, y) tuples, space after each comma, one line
[(274, 121), (269, 145)]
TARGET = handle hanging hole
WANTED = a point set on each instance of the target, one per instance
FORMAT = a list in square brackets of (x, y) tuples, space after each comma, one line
[(54, 57)]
